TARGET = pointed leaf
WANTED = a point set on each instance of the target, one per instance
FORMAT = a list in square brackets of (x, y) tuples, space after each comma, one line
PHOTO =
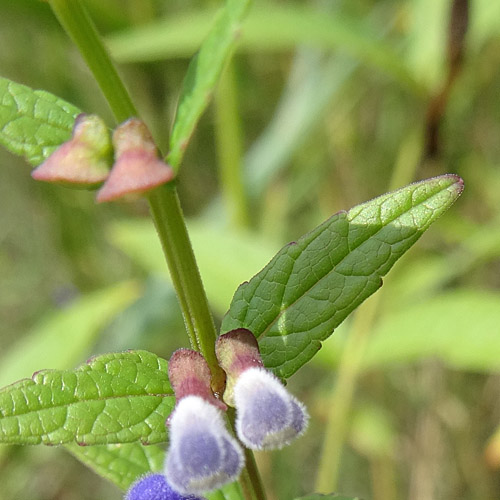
[(202, 76), (114, 398), (33, 123), (121, 463), (311, 285)]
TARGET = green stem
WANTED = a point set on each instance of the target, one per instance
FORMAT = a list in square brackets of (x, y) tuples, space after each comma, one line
[(250, 480), (166, 212), (229, 148), (167, 215), (77, 23)]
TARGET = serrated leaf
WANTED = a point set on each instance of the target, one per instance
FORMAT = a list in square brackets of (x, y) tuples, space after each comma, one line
[(121, 463), (33, 123), (203, 73), (311, 285), (114, 398)]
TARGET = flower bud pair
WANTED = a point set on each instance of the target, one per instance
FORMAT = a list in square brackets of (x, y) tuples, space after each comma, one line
[(202, 455), (85, 160)]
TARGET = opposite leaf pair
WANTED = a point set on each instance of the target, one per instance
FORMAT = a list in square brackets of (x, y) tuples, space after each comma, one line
[(203, 455), (84, 161)]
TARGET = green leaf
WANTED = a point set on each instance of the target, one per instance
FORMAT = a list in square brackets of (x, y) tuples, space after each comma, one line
[(231, 491), (64, 337), (33, 123), (311, 285), (121, 463), (202, 76), (114, 398), (461, 328)]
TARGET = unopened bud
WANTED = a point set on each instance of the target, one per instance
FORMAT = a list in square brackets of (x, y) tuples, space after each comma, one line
[(236, 351), (268, 416), (202, 456), (189, 375), (137, 168), (155, 487), (83, 161)]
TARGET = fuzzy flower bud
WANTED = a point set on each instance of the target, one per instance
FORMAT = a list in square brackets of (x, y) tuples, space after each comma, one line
[(137, 168), (202, 455), (155, 487), (268, 416), (83, 161)]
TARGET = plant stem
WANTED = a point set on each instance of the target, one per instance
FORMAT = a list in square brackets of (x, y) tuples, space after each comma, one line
[(164, 203), (167, 215), (250, 480), (229, 149), (77, 23), (166, 212)]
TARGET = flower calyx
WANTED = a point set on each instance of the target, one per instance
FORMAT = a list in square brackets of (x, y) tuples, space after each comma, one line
[(82, 162), (137, 168)]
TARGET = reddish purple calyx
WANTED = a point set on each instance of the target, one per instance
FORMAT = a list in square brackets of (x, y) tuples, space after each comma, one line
[(137, 168), (237, 351), (190, 375), (83, 161)]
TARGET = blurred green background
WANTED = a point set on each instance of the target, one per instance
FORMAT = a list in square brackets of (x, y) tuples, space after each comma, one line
[(326, 104)]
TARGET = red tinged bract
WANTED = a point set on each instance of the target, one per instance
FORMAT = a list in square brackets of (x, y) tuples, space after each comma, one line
[(137, 168)]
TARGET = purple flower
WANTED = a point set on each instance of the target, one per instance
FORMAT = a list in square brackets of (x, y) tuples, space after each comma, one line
[(203, 455), (268, 417), (155, 487)]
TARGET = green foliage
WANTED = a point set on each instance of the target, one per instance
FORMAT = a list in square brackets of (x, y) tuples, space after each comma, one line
[(33, 123), (64, 337), (269, 27), (310, 286), (459, 327), (225, 257), (114, 398), (120, 463), (203, 73)]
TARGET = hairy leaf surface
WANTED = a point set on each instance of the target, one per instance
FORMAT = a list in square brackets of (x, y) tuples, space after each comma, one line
[(114, 398), (311, 285), (33, 123)]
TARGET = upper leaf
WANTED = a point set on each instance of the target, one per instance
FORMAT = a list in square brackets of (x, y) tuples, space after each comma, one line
[(202, 75), (114, 398), (33, 123), (311, 285)]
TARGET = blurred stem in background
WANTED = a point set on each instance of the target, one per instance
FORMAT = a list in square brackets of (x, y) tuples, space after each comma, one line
[(229, 148)]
